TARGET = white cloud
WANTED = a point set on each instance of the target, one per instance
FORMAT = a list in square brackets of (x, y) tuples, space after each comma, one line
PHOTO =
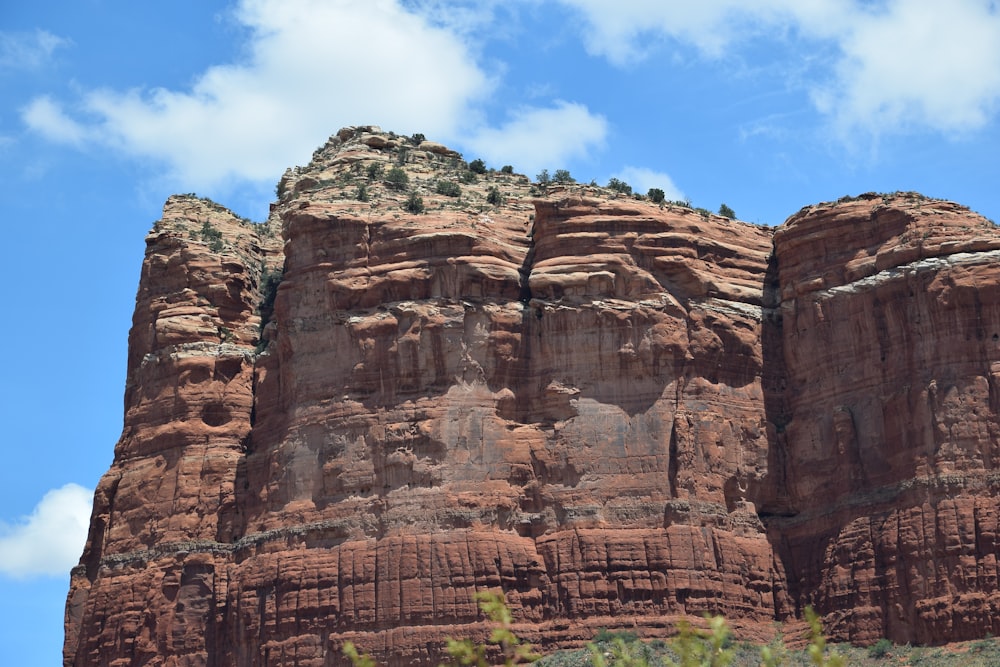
[(49, 541), (628, 30), (47, 118), (537, 138), (642, 179), (312, 66), (464, 17), (918, 63), (28, 50), (897, 65)]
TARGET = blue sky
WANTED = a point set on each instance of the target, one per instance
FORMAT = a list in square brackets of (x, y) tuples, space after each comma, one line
[(110, 106)]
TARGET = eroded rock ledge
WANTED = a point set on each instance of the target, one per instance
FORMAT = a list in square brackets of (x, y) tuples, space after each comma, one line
[(618, 412)]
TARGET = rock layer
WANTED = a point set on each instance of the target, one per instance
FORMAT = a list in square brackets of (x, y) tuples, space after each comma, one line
[(617, 412)]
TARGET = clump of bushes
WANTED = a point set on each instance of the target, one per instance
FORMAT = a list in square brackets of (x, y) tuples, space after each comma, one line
[(561, 176), (477, 166), (727, 212), (880, 649), (656, 195), (414, 203), (493, 196), (397, 179), (619, 186), (448, 189)]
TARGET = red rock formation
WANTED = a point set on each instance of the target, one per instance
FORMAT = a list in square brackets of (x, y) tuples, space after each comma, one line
[(583, 400), (143, 588), (890, 309)]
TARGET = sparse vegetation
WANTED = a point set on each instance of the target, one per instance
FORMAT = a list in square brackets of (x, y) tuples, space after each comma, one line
[(880, 649), (507, 169), (605, 636), (543, 178), (417, 138), (468, 177), (656, 195), (212, 236), (727, 212), (375, 170), (362, 193), (477, 166)]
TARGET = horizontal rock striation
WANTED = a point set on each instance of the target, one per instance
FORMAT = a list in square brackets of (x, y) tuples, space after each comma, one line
[(139, 594), (617, 412), (890, 310)]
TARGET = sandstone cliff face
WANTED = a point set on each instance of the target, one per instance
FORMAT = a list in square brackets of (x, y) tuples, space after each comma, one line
[(890, 311), (143, 588), (617, 412)]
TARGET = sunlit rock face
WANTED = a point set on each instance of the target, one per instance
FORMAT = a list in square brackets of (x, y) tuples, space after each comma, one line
[(890, 311), (618, 412)]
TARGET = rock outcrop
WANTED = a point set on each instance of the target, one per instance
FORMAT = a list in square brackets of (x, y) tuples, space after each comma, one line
[(618, 412), (889, 432)]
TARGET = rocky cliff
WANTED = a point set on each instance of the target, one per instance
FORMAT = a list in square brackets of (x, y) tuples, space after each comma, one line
[(616, 411)]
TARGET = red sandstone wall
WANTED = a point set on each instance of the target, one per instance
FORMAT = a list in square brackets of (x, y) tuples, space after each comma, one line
[(619, 413)]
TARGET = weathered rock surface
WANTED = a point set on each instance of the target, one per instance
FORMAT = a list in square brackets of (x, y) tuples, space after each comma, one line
[(890, 312), (618, 413), (139, 592)]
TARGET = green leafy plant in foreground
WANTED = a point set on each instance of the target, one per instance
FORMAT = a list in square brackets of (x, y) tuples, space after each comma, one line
[(817, 644), (467, 652), (357, 659), (692, 647)]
